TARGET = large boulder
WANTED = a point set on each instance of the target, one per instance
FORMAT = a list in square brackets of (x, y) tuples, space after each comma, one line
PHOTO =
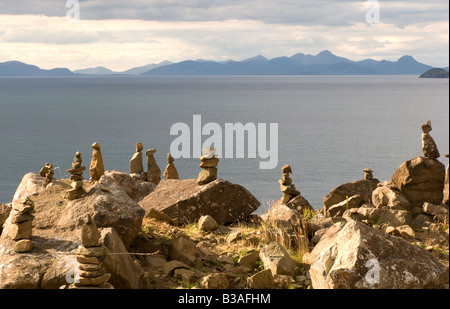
[(420, 180), (134, 186), (385, 196), (339, 209), (5, 210), (187, 201), (363, 187), (275, 257), (55, 233), (359, 257), (110, 206), (387, 216)]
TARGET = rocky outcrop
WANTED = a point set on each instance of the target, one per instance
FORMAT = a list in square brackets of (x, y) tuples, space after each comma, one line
[(134, 186), (364, 188), (275, 257), (187, 201), (385, 196), (339, 209), (420, 180), (359, 256), (110, 206)]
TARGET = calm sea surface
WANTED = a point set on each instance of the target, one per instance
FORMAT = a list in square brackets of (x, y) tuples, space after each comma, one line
[(330, 127)]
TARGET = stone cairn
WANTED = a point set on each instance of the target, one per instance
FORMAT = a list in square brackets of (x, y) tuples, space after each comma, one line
[(47, 167), (136, 165), (286, 186), (368, 174), (49, 178), (76, 175), (90, 256), (20, 225), (429, 147), (96, 169), (209, 167), (170, 171), (153, 170)]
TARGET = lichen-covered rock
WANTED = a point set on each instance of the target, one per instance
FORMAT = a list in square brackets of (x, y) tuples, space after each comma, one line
[(359, 257)]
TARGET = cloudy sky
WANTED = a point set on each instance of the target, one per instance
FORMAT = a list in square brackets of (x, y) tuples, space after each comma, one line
[(122, 34)]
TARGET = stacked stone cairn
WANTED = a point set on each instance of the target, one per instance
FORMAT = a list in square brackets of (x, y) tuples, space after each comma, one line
[(429, 146), (96, 169), (153, 170), (209, 167), (49, 178), (171, 171), (286, 186), (368, 174), (44, 170), (19, 225), (76, 175), (136, 165), (90, 256)]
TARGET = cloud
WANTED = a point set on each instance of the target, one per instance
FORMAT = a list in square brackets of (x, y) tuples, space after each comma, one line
[(305, 12), (123, 34)]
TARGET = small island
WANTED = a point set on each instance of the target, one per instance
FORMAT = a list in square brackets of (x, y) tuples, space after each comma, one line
[(435, 73)]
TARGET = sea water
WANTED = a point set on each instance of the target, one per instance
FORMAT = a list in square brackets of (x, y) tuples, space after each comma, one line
[(329, 127)]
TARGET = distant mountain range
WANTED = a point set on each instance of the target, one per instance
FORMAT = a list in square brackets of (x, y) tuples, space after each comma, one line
[(324, 63)]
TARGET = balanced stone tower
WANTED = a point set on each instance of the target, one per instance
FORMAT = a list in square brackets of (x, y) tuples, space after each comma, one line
[(19, 225), (90, 256), (286, 186), (368, 174), (153, 170), (76, 175), (96, 169), (170, 171), (209, 167), (48, 178), (429, 147), (44, 170), (136, 165)]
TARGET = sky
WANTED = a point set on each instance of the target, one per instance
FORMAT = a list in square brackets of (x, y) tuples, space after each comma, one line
[(120, 34)]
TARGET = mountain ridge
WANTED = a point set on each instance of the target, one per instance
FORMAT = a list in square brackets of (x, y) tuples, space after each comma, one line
[(324, 63)]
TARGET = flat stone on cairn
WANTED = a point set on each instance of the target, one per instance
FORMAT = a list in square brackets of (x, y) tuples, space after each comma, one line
[(209, 167), (96, 168), (286, 186), (368, 174), (170, 171), (136, 165), (90, 256), (76, 173), (429, 146)]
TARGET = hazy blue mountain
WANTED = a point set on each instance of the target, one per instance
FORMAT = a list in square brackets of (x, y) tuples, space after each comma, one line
[(94, 71), (435, 73), (16, 68), (324, 63), (146, 68)]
